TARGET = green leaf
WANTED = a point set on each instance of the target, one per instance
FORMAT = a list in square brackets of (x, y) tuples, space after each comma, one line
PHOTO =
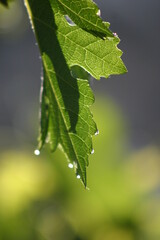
[(67, 51)]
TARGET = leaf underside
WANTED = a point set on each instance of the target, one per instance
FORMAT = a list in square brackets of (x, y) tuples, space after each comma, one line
[(69, 52)]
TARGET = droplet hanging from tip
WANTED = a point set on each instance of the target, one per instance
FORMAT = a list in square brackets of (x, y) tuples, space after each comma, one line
[(37, 152), (78, 176)]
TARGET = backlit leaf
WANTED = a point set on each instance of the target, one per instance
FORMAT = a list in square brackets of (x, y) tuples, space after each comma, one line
[(69, 52)]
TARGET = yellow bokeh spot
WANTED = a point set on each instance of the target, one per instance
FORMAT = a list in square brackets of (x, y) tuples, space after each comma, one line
[(23, 178)]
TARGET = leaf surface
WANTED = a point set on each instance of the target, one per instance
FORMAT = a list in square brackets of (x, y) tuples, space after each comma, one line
[(66, 97), (84, 14)]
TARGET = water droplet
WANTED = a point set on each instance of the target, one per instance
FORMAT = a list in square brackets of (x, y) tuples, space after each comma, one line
[(78, 176), (99, 13), (96, 133), (92, 151), (70, 165), (115, 34), (37, 152)]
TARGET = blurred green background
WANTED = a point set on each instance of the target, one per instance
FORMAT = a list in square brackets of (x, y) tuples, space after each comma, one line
[(40, 197)]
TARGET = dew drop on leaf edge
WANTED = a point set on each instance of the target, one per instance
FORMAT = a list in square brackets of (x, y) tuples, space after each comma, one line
[(99, 13), (78, 176), (96, 133), (115, 34), (70, 165), (37, 152)]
